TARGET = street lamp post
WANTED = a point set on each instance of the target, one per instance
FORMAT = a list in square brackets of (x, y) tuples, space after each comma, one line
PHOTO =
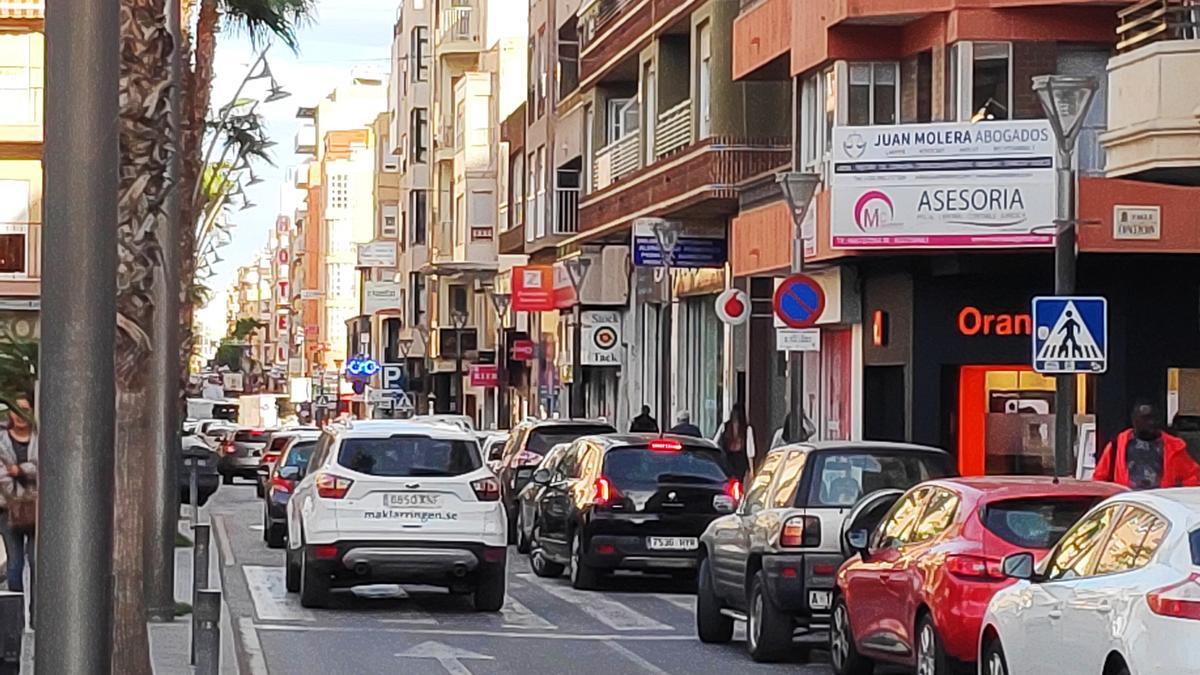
[(405, 344), (460, 322), (423, 333), (666, 233), (798, 189), (501, 302), (1066, 100), (577, 270)]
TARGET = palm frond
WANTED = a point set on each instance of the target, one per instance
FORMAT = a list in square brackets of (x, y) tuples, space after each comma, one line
[(261, 20)]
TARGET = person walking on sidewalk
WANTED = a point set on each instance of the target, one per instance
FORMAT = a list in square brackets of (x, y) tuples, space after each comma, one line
[(644, 423), (684, 427), (1144, 457), (736, 440), (18, 483)]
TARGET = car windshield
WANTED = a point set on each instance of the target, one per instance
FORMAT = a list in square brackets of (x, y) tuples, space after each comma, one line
[(646, 469), (409, 456), (299, 454), (541, 440), (841, 479), (1037, 522)]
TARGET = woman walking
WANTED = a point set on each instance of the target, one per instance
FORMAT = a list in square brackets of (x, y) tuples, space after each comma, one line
[(18, 489), (736, 440)]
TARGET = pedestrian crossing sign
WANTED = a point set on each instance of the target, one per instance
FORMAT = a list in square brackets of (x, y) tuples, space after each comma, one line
[(1070, 334)]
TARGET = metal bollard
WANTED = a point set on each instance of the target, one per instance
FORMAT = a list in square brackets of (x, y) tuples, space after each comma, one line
[(207, 637), (12, 628), (199, 578), (194, 489)]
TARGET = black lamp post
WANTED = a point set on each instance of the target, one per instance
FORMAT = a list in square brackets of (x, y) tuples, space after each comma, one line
[(501, 302), (460, 322)]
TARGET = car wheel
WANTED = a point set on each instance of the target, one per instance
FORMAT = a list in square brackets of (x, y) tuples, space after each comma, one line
[(542, 566), (584, 577), (489, 593), (711, 625), (226, 479), (768, 628), (266, 523), (522, 540), (292, 569), (931, 655), (994, 662), (276, 536), (314, 586), (843, 652)]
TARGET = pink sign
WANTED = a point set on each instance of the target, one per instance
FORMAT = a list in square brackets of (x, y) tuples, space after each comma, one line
[(484, 375)]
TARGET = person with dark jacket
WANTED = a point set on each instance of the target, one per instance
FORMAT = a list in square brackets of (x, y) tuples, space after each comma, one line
[(18, 475), (684, 427), (1143, 457), (644, 423), (736, 440)]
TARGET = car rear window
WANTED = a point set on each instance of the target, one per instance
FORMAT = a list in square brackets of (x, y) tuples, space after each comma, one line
[(841, 479), (250, 436), (299, 454), (405, 456), (643, 468), (1035, 522), (279, 444), (541, 440), (1195, 540)]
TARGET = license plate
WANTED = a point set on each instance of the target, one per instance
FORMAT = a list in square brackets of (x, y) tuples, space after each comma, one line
[(422, 500), (672, 543), (819, 599)]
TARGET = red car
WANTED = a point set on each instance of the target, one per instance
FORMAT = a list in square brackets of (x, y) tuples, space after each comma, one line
[(916, 591)]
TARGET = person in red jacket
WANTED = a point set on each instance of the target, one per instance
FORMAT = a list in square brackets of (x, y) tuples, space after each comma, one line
[(1145, 457)]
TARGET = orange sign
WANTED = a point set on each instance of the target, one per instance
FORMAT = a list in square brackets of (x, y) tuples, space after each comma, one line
[(532, 288), (972, 321)]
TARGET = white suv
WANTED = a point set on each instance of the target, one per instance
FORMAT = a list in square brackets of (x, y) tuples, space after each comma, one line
[(400, 502)]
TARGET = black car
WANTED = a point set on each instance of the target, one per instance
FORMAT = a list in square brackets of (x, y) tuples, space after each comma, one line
[(196, 452), (240, 451), (629, 501), (527, 498), (284, 475), (527, 445)]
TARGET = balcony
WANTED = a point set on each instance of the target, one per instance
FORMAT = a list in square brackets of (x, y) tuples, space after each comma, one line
[(609, 30), (22, 9), (306, 140), (615, 160), (566, 210), (674, 129), (458, 29), (1153, 123), (447, 345)]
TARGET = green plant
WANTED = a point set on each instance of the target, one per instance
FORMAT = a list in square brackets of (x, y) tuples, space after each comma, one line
[(18, 370), (244, 327)]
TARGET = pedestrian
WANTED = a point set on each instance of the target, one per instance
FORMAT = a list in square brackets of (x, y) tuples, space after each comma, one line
[(683, 425), (786, 434), (18, 489), (736, 440), (644, 423), (1144, 457)]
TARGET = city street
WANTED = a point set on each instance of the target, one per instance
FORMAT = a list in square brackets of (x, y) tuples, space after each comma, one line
[(635, 626)]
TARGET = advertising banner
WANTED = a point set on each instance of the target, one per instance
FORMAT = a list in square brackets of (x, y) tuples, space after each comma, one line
[(943, 186), (532, 288), (377, 254), (601, 339), (379, 296)]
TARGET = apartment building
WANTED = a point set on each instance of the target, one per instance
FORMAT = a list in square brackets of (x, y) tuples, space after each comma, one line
[(929, 283), (22, 45)]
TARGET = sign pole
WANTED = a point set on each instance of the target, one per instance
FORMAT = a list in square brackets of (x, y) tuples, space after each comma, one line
[(798, 189)]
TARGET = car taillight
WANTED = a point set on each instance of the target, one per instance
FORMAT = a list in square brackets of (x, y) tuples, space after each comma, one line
[(801, 531), (665, 445), (281, 484), (974, 567), (257, 432), (734, 490), (486, 489), (270, 459), (228, 447), (331, 486), (1180, 600), (605, 494)]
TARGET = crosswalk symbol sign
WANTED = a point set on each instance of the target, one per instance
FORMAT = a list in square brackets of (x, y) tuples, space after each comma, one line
[(1070, 334)]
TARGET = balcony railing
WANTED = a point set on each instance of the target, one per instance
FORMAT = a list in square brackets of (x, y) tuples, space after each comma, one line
[(1155, 20), (595, 15), (674, 129), (566, 210), (22, 9), (456, 24), (617, 159)]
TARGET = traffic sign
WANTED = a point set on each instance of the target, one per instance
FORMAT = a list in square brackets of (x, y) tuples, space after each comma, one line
[(798, 339), (324, 401), (392, 376), (799, 301), (522, 350), (733, 306), (1070, 334)]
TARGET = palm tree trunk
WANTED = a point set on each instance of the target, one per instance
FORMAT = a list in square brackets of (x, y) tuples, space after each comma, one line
[(146, 147)]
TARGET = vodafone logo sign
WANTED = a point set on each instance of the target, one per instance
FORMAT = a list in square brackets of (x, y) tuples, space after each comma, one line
[(733, 306)]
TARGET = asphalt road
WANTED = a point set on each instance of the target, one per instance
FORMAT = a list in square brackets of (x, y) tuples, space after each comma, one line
[(637, 625)]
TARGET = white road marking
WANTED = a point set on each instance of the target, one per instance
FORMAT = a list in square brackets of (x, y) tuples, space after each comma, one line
[(605, 610), (251, 646), (685, 602), (637, 660), (271, 599), (517, 615), (223, 541), (449, 657), (361, 628)]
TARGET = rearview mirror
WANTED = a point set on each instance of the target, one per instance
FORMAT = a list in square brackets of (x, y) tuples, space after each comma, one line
[(289, 472), (541, 476), (856, 541), (1018, 566)]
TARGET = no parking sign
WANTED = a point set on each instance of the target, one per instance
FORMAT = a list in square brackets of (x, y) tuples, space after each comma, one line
[(799, 301)]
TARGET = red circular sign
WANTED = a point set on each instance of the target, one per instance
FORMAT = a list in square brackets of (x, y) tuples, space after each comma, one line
[(799, 301), (733, 306)]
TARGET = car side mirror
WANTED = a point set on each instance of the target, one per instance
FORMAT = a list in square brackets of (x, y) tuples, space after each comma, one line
[(857, 542), (289, 472), (541, 477), (1018, 566), (496, 453)]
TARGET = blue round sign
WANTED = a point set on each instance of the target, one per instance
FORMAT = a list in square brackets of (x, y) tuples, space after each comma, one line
[(799, 301)]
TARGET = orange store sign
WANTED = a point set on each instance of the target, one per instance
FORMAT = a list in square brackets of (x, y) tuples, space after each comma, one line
[(972, 321)]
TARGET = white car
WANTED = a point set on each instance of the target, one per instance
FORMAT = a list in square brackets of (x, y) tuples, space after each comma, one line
[(393, 501), (1118, 595)]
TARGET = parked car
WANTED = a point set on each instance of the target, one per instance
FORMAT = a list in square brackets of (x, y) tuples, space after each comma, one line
[(197, 452), (240, 452), (1119, 594), (527, 498), (212, 430), (463, 422), (916, 589), (527, 444), (773, 563), (631, 502), (276, 442), (282, 479), (401, 502)]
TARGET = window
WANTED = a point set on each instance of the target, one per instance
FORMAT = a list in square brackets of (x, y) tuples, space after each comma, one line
[(818, 113), (789, 478), (1077, 550), (418, 210), (419, 53), (1037, 522), (756, 496), (531, 213), (991, 94), (531, 79), (649, 109), (840, 479), (622, 118), (14, 226), (388, 229), (458, 298), (943, 506), (20, 78), (542, 439), (541, 72), (419, 133), (409, 456), (516, 187), (895, 529), (704, 74), (339, 191), (1134, 540), (873, 96), (566, 74), (416, 284)]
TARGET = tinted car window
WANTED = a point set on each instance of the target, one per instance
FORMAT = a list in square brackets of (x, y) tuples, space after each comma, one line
[(299, 454), (896, 528), (279, 443), (756, 496), (1078, 548), (939, 514), (841, 479), (250, 436), (1133, 541), (541, 440), (643, 468), (789, 478), (1036, 522), (405, 456)]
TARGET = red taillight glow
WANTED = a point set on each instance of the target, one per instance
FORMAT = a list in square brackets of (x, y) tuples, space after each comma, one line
[(228, 447), (734, 489), (331, 486), (605, 493), (325, 552), (606, 549), (789, 573), (665, 445), (486, 489), (824, 569), (257, 432), (281, 484), (974, 567), (801, 531), (270, 459), (1180, 600)]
